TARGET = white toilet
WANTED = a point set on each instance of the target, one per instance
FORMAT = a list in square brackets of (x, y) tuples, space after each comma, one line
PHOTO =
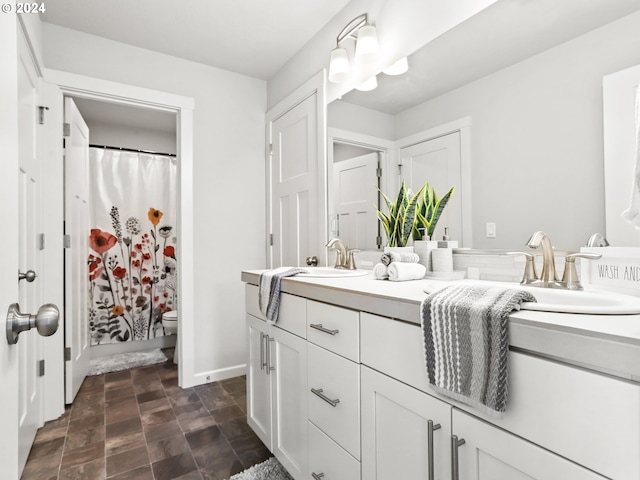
[(170, 325)]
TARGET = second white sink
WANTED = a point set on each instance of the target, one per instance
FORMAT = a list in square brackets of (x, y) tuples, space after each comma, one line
[(587, 301)]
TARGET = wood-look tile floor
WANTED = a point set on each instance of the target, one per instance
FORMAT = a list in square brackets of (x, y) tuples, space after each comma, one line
[(139, 425)]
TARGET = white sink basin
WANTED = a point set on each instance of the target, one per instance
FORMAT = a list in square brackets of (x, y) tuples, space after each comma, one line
[(589, 301), (332, 272)]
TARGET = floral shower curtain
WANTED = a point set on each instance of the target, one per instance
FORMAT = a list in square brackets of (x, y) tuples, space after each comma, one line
[(132, 261)]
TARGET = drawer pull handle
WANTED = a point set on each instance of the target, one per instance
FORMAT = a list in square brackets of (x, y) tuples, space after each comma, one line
[(262, 361), (455, 443), (430, 429), (317, 476), (318, 392), (318, 326)]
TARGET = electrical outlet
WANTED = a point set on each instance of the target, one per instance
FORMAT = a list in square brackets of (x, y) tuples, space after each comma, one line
[(491, 230)]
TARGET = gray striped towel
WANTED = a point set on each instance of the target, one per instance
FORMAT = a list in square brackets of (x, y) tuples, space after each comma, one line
[(269, 290), (466, 340)]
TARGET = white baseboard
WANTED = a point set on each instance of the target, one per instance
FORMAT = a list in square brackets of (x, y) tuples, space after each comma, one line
[(214, 376)]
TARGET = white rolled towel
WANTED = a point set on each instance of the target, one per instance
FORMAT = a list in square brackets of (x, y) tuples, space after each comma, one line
[(380, 271), (401, 271)]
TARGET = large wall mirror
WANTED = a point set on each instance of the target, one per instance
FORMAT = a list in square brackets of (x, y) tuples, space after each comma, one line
[(523, 82)]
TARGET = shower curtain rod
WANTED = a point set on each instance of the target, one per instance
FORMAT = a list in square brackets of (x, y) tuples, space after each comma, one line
[(133, 150)]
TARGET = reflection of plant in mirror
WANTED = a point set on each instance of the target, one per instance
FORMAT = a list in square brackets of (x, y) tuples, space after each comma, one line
[(428, 211), (399, 223)]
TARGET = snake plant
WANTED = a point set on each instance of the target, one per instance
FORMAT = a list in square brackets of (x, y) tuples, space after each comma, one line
[(399, 223), (428, 210)]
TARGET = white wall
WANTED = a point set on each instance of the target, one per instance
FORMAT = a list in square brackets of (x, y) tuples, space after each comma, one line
[(537, 138), (366, 121), (228, 171)]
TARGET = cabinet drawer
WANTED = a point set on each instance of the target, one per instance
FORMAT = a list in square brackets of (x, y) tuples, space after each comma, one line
[(292, 310), (328, 460), (337, 379), (334, 328)]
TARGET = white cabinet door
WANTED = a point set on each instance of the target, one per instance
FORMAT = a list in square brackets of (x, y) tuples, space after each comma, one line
[(490, 453), (289, 408), (259, 381), (396, 424)]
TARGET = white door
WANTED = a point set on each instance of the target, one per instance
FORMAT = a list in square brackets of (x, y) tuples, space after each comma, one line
[(289, 409), (355, 187), (396, 430), (438, 162), (490, 453), (294, 184), (259, 381), (76, 221), (30, 248)]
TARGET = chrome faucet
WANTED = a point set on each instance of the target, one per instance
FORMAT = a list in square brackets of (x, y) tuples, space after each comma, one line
[(548, 277), (341, 252)]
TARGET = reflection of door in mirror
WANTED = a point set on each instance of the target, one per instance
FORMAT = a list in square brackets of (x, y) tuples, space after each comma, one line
[(437, 161), (621, 148), (355, 190)]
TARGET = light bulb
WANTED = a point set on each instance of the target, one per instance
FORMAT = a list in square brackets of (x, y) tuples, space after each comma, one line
[(367, 45), (339, 67), (368, 85)]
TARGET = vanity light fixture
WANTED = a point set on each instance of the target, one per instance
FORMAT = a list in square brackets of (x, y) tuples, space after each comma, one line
[(366, 51), (398, 68), (368, 85)]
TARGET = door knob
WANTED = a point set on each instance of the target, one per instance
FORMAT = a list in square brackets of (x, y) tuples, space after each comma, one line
[(45, 321), (29, 276)]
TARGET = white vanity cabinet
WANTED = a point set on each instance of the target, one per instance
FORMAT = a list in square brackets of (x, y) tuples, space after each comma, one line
[(349, 399), (405, 432), (277, 381), (490, 453)]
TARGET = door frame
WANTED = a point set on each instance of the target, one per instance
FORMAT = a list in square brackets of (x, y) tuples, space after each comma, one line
[(315, 85), (115, 92), (462, 125), (347, 137)]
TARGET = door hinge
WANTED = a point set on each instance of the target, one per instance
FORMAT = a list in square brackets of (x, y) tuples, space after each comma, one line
[(66, 241), (41, 368), (67, 354), (271, 239), (379, 172), (41, 110), (400, 167), (66, 129), (379, 241), (40, 241), (271, 149)]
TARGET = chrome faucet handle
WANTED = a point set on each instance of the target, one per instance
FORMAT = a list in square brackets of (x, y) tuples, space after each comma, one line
[(570, 277), (530, 274), (351, 262)]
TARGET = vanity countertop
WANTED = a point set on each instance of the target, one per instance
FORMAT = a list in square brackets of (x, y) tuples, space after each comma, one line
[(607, 343)]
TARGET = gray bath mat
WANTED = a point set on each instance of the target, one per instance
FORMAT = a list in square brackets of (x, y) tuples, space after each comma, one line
[(268, 470), (124, 361)]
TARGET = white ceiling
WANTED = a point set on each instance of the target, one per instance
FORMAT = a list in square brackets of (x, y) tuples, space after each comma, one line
[(252, 37)]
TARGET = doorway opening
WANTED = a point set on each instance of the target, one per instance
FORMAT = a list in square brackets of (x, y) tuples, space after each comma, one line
[(171, 115)]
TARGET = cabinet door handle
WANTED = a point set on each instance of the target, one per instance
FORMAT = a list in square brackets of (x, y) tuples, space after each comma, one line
[(317, 476), (455, 443), (318, 392), (318, 326), (269, 367), (430, 429), (262, 362)]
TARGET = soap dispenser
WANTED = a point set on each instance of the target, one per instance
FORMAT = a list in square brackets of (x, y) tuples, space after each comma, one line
[(446, 241)]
